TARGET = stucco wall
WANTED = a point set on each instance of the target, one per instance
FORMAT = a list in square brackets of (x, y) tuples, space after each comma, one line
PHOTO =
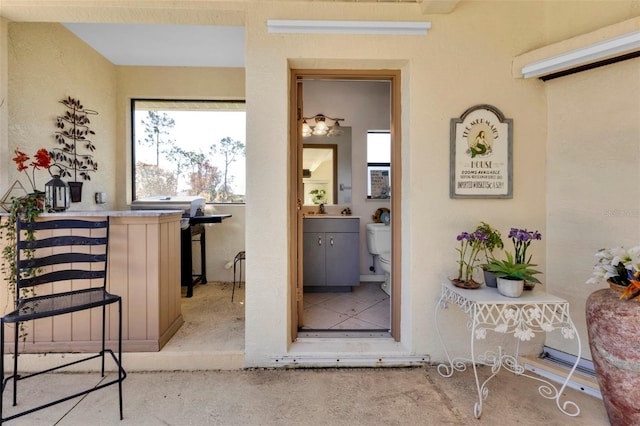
[(4, 116), (593, 160), (464, 60), (48, 63), (437, 85)]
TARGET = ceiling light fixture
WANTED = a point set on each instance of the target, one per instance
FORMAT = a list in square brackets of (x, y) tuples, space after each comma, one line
[(320, 126)]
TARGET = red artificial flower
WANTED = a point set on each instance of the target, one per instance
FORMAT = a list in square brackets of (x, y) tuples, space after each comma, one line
[(20, 159), (42, 159)]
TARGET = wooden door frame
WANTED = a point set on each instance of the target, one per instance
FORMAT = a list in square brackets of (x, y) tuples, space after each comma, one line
[(295, 176)]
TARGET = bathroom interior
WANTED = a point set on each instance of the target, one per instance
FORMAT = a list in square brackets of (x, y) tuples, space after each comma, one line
[(346, 207)]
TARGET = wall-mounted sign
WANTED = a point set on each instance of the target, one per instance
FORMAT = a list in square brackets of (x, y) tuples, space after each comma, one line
[(380, 187), (481, 154)]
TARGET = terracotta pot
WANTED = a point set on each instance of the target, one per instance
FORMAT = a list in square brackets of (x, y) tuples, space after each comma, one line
[(616, 287), (469, 285), (613, 339)]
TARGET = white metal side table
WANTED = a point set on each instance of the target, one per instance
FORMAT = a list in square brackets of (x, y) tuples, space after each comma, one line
[(488, 310)]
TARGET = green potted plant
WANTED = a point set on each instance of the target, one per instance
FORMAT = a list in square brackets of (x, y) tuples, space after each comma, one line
[(511, 275), (492, 241), (319, 196), (522, 239), (29, 208)]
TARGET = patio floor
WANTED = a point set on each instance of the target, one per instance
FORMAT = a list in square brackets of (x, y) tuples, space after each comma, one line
[(300, 397), (313, 397)]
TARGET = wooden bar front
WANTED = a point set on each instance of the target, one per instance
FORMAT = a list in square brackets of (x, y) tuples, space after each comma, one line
[(144, 269)]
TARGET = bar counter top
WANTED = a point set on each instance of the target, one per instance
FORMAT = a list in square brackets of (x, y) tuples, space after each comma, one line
[(112, 213)]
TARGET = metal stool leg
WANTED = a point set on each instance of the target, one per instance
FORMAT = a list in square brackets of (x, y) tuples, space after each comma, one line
[(233, 291), (237, 260)]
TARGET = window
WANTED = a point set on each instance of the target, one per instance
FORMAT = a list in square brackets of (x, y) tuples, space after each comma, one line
[(194, 148), (378, 164)]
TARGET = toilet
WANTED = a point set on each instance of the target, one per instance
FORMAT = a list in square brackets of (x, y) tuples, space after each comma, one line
[(379, 245)]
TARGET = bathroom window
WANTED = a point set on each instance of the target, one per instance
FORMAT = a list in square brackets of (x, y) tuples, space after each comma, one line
[(189, 148), (378, 164)]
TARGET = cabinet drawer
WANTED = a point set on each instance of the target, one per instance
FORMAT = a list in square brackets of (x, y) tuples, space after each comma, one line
[(347, 224)]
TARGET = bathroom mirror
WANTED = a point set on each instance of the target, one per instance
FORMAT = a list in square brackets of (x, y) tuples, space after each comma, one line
[(326, 165)]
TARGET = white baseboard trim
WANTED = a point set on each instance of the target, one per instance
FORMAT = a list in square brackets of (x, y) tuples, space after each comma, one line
[(353, 361), (582, 380), (377, 278)]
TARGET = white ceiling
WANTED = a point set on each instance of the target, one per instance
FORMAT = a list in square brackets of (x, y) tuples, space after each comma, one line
[(165, 45)]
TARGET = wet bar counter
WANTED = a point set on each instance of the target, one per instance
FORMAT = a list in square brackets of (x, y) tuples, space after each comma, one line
[(144, 268)]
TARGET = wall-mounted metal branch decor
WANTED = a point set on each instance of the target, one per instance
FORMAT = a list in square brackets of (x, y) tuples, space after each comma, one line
[(73, 129)]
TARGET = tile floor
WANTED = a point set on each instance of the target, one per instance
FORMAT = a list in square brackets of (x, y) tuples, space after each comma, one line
[(366, 307)]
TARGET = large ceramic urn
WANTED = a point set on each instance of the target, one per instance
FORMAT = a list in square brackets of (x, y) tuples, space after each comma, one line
[(614, 340)]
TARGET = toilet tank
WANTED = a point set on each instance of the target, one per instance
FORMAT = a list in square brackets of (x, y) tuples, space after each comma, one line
[(378, 238)]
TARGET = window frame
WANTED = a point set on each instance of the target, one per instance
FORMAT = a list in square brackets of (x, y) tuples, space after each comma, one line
[(132, 118), (377, 165)]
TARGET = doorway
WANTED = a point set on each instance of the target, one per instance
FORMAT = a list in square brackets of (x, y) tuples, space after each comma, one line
[(338, 108)]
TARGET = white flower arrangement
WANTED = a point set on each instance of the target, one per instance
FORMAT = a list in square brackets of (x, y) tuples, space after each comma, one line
[(617, 264)]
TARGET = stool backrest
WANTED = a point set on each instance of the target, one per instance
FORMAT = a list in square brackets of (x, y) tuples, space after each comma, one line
[(57, 250)]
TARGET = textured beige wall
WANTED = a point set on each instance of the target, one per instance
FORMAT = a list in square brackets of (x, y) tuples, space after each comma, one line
[(593, 161), (48, 63), (464, 60), (4, 115)]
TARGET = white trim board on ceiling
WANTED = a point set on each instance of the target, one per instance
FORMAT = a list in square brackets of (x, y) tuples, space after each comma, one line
[(612, 47), (347, 27)]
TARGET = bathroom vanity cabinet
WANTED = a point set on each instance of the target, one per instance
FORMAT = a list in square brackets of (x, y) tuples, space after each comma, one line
[(331, 253)]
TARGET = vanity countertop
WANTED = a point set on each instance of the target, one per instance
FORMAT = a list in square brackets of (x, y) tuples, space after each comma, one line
[(329, 216)]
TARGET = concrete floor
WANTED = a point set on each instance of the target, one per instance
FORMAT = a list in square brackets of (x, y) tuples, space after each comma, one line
[(366, 396), (191, 392)]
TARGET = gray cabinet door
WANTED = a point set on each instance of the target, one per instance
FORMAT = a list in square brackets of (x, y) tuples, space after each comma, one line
[(314, 259), (331, 252), (343, 258)]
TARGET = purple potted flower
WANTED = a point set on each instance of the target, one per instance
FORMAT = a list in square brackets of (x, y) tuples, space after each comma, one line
[(471, 244)]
